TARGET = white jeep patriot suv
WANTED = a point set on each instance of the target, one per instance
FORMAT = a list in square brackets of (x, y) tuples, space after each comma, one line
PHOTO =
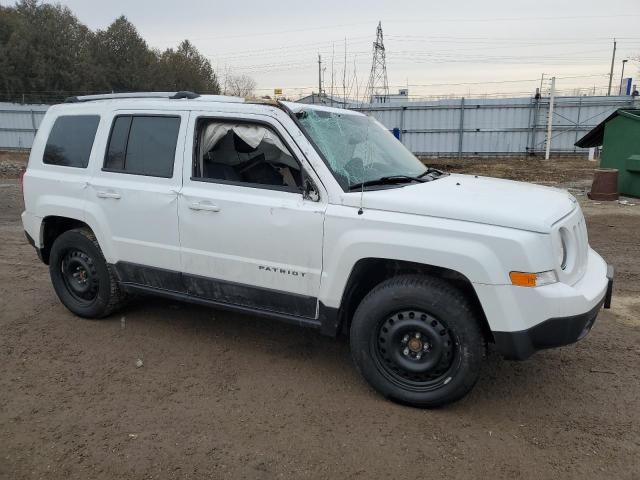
[(315, 216)]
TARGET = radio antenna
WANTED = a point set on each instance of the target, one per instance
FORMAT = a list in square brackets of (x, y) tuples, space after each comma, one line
[(367, 153)]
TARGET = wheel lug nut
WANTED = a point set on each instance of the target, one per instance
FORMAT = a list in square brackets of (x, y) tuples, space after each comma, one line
[(418, 356), (405, 339), (418, 335), (405, 352), (425, 347)]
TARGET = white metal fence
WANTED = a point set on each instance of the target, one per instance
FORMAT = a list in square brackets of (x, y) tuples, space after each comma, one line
[(19, 124), (462, 127), (505, 126)]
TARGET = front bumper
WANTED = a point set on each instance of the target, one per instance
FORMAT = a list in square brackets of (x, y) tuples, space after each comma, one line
[(554, 332)]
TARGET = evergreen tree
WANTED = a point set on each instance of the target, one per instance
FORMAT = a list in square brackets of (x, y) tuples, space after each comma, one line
[(186, 69), (46, 54)]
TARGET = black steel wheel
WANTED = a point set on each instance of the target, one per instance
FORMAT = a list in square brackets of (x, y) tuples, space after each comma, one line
[(81, 277), (416, 340), (414, 350)]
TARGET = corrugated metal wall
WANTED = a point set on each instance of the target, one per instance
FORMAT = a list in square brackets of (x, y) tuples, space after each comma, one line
[(18, 124), (505, 126)]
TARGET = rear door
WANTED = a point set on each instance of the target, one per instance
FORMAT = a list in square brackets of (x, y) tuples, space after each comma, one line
[(133, 195), (248, 235)]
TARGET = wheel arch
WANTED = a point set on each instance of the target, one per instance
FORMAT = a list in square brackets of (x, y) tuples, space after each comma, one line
[(369, 272), (52, 226)]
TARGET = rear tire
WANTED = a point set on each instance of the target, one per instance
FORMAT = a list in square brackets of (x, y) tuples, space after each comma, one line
[(416, 340), (81, 277)]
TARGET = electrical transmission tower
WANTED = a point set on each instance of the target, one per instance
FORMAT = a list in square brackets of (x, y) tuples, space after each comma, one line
[(378, 84)]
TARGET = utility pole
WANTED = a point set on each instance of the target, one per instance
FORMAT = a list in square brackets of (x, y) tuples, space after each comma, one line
[(344, 76), (333, 55), (319, 78), (552, 98), (613, 60), (355, 77)]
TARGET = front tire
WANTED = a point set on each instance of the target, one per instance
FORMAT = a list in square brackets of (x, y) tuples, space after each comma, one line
[(81, 277), (416, 340)]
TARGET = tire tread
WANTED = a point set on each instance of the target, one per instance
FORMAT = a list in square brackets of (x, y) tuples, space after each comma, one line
[(436, 288), (116, 296), (112, 297)]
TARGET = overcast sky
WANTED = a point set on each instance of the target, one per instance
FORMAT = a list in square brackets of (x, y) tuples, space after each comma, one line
[(434, 47)]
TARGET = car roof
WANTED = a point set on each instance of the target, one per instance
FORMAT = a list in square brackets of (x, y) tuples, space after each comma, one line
[(297, 107), (180, 101)]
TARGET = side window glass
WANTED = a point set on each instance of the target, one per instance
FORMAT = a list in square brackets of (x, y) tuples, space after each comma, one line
[(245, 153), (70, 141), (143, 145), (118, 143)]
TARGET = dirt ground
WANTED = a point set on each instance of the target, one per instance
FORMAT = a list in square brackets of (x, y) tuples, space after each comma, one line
[(222, 395), (559, 171)]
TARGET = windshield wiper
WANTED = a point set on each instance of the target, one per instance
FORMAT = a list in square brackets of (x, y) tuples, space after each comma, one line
[(386, 181), (431, 171)]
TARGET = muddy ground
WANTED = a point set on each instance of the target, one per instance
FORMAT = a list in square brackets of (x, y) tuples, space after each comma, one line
[(222, 395)]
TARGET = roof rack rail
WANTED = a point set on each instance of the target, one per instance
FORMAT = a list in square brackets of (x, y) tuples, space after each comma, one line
[(114, 96), (185, 94)]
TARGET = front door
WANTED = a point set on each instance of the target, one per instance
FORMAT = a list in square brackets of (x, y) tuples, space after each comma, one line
[(248, 237)]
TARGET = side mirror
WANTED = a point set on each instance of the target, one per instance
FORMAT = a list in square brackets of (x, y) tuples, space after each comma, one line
[(309, 191)]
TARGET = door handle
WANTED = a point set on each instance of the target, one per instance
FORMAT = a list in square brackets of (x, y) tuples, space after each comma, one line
[(102, 194), (209, 207)]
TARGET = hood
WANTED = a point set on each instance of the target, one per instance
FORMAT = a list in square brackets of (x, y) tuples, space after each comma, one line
[(491, 201)]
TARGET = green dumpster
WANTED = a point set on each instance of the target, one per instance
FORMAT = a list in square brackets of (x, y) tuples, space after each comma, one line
[(619, 136)]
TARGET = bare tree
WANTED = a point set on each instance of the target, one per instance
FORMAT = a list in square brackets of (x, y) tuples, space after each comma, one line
[(239, 86)]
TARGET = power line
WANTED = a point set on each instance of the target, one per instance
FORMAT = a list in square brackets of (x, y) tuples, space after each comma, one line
[(510, 19), (454, 84), (277, 32), (416, 85), (404, 21), (295, 50)]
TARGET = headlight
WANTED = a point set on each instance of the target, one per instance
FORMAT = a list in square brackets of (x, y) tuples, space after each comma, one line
[(562, 254), (525, 279)]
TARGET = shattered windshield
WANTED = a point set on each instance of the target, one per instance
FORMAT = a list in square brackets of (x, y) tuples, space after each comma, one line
[(358, 148)]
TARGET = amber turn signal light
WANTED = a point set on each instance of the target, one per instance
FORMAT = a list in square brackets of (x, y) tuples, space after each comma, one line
[(525, 279)]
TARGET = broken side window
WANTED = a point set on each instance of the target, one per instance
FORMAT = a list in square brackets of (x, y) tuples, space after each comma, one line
[(245, 153)]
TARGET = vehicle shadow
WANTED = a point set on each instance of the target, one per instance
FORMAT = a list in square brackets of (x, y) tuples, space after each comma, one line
[(547, 378), (231, 330)]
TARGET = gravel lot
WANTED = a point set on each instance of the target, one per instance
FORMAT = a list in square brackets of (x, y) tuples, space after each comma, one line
[(221, 395)]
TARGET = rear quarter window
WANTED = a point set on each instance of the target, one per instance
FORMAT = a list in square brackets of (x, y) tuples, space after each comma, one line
[(71, 140)]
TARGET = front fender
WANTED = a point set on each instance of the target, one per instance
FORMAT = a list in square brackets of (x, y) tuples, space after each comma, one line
[(484, 254)]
